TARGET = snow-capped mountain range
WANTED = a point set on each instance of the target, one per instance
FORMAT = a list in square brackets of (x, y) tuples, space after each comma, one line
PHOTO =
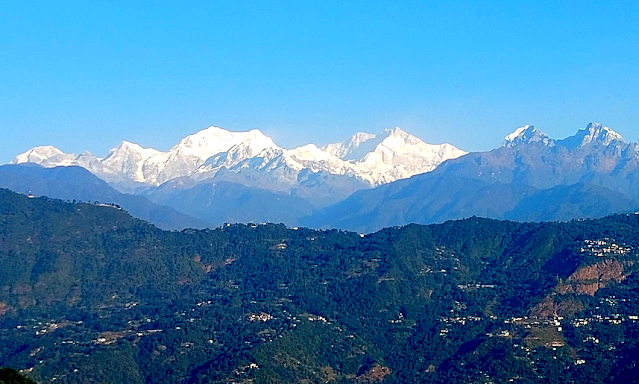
[(531, 177), (594, 133), (373, 159), (364, 183)]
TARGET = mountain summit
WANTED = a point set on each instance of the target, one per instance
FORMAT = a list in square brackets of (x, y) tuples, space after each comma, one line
[(527, 134), (531, 177), (395, 154), (366, 181), (38, 155), (330, 173), (594, 133), (253, 159)]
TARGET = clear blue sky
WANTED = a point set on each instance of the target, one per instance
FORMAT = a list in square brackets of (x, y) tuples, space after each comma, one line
[(87, 75)]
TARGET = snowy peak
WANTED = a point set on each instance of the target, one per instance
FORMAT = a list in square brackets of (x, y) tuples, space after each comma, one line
[(372, 158), (396, 132), (253, 158), (358, 146), (594, 133), (353, 148), (214, 140), (399, 155), (154, 167), (206, 141), (37, 155), (258, 145), (527, 134), (311, 157), (47, 156), (390, 155), (250, 148), (600, 133), (361, 144), (127, 149), (128, 159), (398, 139), (520, 132), (131, 164)]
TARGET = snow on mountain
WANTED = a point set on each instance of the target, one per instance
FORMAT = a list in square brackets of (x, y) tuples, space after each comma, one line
[(42, 154), (527, 134), (255, 145), (400, 155), (129, 159), (594, 133), (37, 154), (129, 162), (311, 157), (391, 155), (356, 147), (248, 156), (273, 168), (153, 167), (214, 140), (372, 159)]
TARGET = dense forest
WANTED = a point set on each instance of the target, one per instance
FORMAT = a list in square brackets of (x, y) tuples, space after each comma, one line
[(90, 294), (11, 376)]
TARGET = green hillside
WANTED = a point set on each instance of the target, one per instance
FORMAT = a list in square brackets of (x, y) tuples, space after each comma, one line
[(89, 294)]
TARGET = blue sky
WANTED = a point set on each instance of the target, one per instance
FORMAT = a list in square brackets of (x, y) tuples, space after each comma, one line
[(87, 75)]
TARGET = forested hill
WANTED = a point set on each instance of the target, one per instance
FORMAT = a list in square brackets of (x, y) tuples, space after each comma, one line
[(89, 294)]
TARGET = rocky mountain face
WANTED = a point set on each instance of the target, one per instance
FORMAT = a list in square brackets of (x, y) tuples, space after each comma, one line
[(531, 177)]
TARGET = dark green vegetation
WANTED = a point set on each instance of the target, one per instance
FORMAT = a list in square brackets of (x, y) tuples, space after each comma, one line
[(11, 376), (89, 294)]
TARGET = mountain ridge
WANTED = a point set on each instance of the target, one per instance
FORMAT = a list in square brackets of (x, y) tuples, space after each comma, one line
[(350, 185), (499, 184), (395, 155)]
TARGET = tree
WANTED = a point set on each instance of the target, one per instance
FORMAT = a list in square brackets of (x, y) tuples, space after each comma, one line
[(11, 376)]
